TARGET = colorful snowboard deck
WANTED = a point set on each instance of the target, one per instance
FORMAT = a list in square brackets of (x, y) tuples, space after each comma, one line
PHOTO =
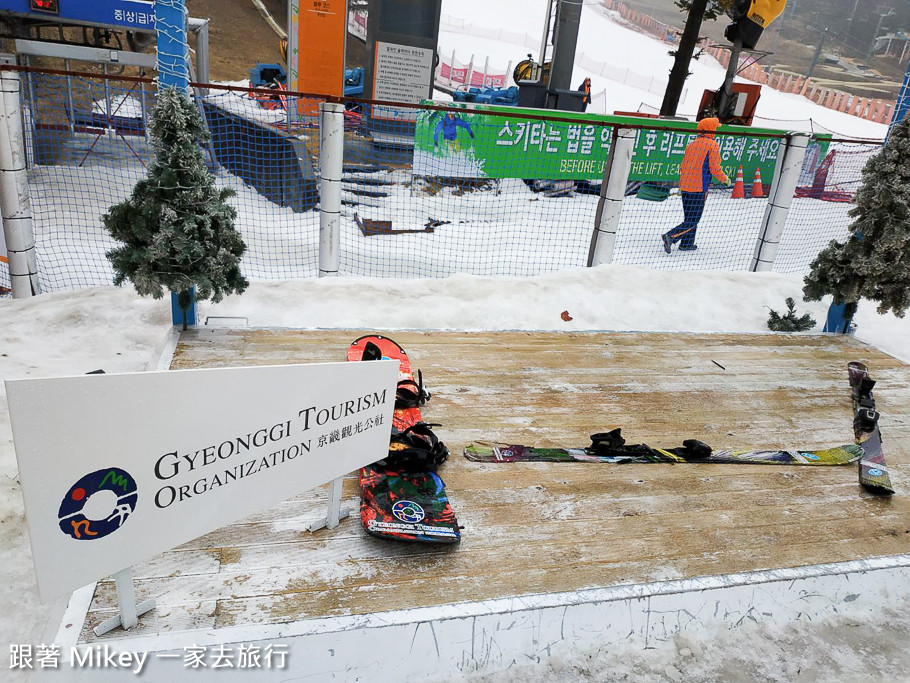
[(873, 472), (400, 505)]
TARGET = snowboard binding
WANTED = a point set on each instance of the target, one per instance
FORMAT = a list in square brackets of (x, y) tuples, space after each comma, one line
[(612, 444), (865, 421), (411, 394), (415, 449), (862, 392)]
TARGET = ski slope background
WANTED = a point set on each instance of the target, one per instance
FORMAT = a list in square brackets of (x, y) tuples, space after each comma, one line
[(604, 37)]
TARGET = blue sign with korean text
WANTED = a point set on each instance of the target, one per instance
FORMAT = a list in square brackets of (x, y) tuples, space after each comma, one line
[(134, 14)]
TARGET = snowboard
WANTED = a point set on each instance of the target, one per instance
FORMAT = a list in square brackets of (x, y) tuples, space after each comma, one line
[(401, 497), (873, 472), (610, 447)]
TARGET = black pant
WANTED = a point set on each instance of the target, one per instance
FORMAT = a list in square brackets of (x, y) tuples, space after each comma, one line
[(693, 207)]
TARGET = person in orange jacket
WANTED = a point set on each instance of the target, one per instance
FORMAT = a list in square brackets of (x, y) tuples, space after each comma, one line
[(585, 87), (700, 162)]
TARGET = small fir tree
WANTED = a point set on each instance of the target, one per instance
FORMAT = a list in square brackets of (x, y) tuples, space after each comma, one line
[(177, 229), (789, 322), (874, 262)]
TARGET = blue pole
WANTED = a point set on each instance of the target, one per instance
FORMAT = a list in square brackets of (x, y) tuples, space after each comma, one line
[(173, 49), (903, 102), (174, 70)]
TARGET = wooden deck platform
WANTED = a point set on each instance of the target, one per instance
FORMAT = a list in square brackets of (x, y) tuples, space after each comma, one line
[(544, 527)]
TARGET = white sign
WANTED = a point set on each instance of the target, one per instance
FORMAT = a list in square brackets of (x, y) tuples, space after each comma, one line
[(118, 468), (403, 73)]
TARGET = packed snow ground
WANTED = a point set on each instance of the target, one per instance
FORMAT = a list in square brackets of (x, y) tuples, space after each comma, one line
[(70, 333)]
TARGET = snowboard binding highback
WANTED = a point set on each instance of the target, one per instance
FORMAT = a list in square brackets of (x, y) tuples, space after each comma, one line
[(409, 393)]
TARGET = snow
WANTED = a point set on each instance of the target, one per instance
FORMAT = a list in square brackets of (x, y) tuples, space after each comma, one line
[(70, 333), (603, 39), (73, 332)]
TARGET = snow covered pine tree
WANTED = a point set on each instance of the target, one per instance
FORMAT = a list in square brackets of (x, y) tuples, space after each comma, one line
[(874, 262), (176, 228)]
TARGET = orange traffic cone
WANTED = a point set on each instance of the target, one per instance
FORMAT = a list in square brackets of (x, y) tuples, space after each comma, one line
[(757, 189), (739, 188)]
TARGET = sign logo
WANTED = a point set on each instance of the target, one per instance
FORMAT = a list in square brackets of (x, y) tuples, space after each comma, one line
[(810, 456), (98, 504), (875, 472), (408, 511)]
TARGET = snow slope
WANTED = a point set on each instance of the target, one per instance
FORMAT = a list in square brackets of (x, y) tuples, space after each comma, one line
[(602, 38)]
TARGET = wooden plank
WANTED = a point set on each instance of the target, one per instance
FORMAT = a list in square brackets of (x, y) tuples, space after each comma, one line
[(545, 527)]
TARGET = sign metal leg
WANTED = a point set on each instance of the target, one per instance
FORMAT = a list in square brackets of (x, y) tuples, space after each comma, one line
[(126, 601), (335, 512)]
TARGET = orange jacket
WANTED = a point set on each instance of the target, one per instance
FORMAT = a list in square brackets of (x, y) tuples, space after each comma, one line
[(700, 162)]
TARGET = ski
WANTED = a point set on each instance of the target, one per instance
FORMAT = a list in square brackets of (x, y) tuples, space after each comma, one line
[(873, 472), (401, 496), (610, 447)]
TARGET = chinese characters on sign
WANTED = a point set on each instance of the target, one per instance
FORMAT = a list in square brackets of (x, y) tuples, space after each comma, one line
[(25, 657)]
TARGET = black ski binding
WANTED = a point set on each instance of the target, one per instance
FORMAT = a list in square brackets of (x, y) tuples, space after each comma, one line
[(693, 449)]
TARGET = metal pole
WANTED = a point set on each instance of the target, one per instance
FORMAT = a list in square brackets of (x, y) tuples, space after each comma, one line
[(174, 71), (616, 178), (108, 123), (15, 206), (779, 203), (546, 33), (201, 28), (726, 90), (331, 156), (69, 97)]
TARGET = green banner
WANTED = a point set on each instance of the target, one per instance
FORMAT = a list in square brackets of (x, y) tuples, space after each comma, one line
[(474, 144)]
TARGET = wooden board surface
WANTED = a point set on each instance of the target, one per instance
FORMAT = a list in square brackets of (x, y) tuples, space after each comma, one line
[(549, 527)]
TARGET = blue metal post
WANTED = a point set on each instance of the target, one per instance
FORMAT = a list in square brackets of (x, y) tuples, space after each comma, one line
[(903, 102), (174, 71), (173, 49), (840, 318)]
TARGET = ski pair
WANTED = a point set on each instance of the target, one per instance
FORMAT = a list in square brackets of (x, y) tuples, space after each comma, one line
[(873, 472), (610, 447), (401, 496)]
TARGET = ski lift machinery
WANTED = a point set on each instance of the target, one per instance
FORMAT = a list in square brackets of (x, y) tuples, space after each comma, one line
[(736, 103)]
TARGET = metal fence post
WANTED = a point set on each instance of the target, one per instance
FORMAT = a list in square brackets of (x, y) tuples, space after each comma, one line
[(14, 198), (612, 192), (174, 70), (331, 157), (779, 202)]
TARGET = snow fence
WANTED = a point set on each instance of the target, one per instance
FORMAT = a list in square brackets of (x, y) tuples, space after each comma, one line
[(427, 190)]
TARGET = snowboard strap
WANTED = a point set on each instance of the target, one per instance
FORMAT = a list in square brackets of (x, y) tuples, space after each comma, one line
[(415, 449), (411, 394), (865, 420)]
